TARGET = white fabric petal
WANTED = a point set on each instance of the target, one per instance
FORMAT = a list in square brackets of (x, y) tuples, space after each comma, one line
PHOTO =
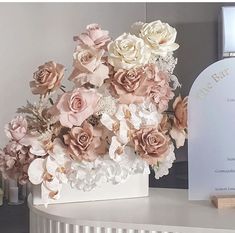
[(53, 185), (59, 152), (36, 171), (51, 166), (107, 121), (36, 147), (116, 149), (123, 132), (179, 136)]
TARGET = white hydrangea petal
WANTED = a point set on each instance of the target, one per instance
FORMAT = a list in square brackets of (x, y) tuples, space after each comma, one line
[(175, 81), (36, 171), (149, 114), (162, 168)]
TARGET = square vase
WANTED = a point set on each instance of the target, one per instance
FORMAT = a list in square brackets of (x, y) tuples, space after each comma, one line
[(135, 186)]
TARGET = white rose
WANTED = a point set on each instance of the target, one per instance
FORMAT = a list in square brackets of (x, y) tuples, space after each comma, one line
[(160, 37), (128, 51)]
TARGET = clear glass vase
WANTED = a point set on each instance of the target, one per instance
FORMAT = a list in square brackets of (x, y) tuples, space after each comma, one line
[(16, 193)]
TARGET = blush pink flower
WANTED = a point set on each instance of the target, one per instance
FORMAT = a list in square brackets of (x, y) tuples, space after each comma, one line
[(88, 67), (151, 144), (84, 143), (179, 129), (180, 107), (161, 92), (94, 36), (132, 86), (17, 128), (47, 78), (15, 161), (76, 106)]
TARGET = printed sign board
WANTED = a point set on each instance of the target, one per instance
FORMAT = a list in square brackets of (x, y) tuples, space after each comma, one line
[(211, 128)]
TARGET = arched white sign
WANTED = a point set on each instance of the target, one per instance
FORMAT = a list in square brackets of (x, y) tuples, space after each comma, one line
[(211, 128)]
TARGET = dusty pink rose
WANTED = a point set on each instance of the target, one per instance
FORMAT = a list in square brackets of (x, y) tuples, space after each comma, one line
[(179, 129), (84, 143), (94, 36), (181, 112), (151, 144), (76, 106), (165, 124), (47, 78), (88, 67), (14, 162), (161, 92), (17, 128), (132, 86)]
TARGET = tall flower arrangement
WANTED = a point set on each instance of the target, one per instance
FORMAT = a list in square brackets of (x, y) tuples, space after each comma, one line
[(115, 122)]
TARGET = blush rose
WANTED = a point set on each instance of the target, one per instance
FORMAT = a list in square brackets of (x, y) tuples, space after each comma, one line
[(94, 36), (47, 78), (151, 144), (76, 106), (84, 143), (17, 128)]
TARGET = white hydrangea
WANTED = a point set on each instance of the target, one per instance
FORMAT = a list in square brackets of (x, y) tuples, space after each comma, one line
[(163, 166), (88, 175)]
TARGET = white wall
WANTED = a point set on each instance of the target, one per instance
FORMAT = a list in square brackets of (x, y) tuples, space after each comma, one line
[(33, 33)]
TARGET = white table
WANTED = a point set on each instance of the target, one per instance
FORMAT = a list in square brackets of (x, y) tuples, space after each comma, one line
[(164, 211)]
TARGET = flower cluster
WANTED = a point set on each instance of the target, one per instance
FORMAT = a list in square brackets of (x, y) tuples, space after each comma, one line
[(115, 122)]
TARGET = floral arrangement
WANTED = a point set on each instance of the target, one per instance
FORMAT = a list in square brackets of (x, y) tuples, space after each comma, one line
[(115, 122)]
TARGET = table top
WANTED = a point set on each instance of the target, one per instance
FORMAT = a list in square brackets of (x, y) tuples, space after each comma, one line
[(163, 207)]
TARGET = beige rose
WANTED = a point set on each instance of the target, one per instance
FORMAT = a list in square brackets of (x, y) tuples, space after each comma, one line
[(47, 78), (181, 112), (128, 51), (84, 143), (151, 144), (160, 37)]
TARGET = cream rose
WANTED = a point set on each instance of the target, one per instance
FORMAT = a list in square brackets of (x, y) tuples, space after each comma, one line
[(160, 37), (128, 51)]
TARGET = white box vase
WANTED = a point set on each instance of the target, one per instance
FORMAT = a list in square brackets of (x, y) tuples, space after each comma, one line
[(136, 185)]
